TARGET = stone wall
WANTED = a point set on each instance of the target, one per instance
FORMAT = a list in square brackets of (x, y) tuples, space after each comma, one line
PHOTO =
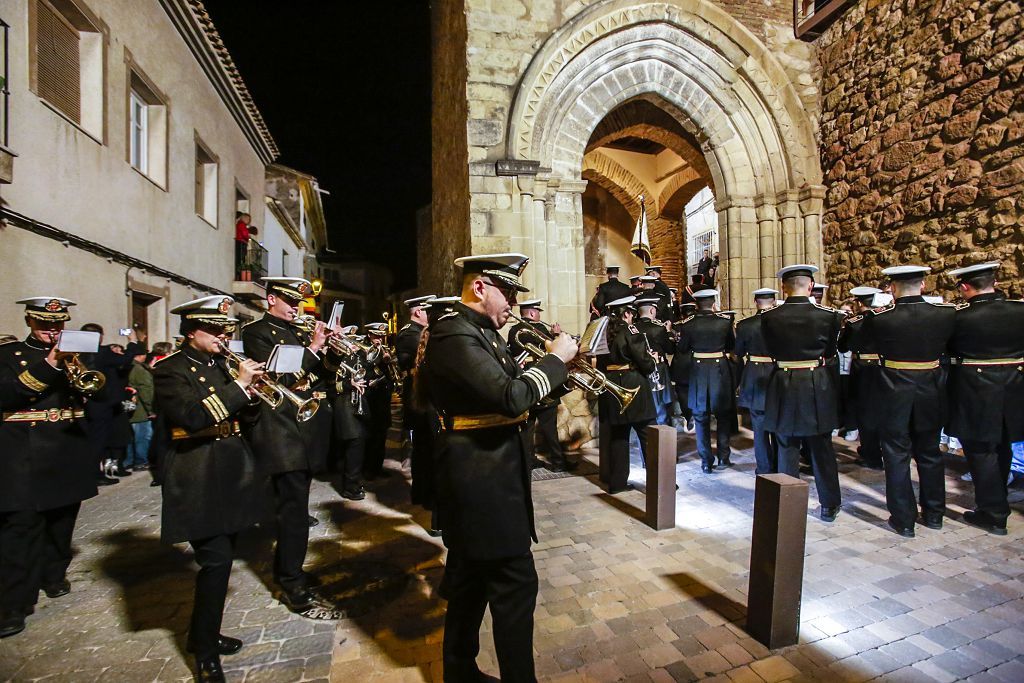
[(921, 130), (448, 235)]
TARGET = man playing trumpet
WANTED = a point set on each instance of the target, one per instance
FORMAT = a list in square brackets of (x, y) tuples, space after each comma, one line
[(47, 468)]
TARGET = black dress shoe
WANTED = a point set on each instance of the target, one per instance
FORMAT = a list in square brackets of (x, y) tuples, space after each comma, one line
[(707, 469), (225, 645), (313, 521), (103, 480), (564, 466), (904, 531), (979, 520), (56, 590), (123, 472), (829, 514), (358, 494), (298, 601), (155, 482), (724, 463), (11, 622), (209, 670), (932, 521)]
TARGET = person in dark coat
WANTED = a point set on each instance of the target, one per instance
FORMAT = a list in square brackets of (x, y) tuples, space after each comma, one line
[(656, 334), (290, 451), (696, 284), (756, 366), (680, 367), (544, 415), (864, 368), (802, 401), (708, 335), (609, 290), (46, 465), (987, 389), (704, 266), (911, 337), (211, 488), (110, 430), (649, 289), (486, 507), (351, 414), (628, 363), (378, 402), (407, 343)]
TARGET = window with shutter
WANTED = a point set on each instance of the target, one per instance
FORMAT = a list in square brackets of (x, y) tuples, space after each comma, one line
[(58, 61)]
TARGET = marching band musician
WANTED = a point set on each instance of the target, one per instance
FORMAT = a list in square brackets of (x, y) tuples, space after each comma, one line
[(486, 507), (609, 290), (378, 401), (756, 366), (682, 363), (544, 415), (628, 363), (801, 400), (661, 290), (46, 464), (911, 337), (211, 487), (657, 338), (347, 391), (407, 342), (709, 336), (987, 384), (290, 451), (864, 368)]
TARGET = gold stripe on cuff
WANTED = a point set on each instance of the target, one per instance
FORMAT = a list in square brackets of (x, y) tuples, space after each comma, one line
[(31, 382)]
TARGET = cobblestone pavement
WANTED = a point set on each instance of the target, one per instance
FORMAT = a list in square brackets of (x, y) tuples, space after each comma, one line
[(618, 601)]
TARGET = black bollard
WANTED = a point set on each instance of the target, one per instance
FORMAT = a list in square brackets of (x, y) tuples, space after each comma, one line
[(777, 560), (604, 456), (661, 477)]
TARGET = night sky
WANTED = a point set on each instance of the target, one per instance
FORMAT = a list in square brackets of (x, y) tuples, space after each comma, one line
[(345, 89)]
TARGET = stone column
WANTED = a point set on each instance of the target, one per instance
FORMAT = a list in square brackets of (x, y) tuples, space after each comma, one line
[(740, 263), (790, 239), (566, 270), (767, 229), (812, 199)]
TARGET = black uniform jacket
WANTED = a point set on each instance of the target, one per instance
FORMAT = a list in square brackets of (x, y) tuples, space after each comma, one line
[(863, 373), (801, 402), (986, 399), (109, 425), (628, 346), (210, 484), (712, 383), (610, 291), (43, 464), (407, 341), (753, 385), (281, 443), (352, 412), (682, 361), (661, 343), (378, 395), (484, 499), (910, 330)]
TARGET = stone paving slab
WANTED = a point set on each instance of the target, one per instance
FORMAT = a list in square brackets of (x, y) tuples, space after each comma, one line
[(618, 600)]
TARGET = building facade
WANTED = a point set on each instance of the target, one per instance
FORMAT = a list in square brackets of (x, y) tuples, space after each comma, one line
[(136, 144)]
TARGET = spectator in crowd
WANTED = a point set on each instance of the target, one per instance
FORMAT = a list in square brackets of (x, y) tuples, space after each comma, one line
[(244, 231), (704, 267), (109, 429), (140, 378)]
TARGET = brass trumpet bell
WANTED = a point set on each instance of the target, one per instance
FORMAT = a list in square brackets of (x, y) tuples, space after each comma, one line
[(82, 379)]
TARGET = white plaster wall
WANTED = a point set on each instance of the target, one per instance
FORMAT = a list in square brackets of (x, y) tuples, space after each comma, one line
[(65, 178)]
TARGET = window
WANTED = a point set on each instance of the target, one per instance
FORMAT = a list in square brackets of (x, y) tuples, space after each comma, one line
[(812, 17), (241, 200), (66, 67), (206, 184), (147, 128)]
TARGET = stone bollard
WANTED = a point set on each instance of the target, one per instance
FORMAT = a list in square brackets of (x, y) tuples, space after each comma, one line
[(661, 477), (777, 560)]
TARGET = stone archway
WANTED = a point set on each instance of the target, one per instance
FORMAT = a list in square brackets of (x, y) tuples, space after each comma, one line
[(720, 83)]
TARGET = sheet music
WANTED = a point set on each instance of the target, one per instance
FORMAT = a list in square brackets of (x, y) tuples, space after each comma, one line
[(76, 341), (594, 341), (286, 358)]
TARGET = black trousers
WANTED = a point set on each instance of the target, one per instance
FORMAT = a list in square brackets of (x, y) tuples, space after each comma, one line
[(870, 450), (545, 421), (35, 551), (765, 454), (618, 447), (376, 443), (703, 423), (291, 509), (682, 396), (214, 556), (897, 452), (508, 587), (990, 470), (350, 455), (823, 459)]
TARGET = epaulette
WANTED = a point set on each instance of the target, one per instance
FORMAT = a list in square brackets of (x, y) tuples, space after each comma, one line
[(245, 325), (965, 304), (687, 319), (941, 305), (450, 314), (825, 308), (856, 318), (172, 353), (884, 309), (405, 327), (632, 329), (726, 315), (659, 323), (9, 341)]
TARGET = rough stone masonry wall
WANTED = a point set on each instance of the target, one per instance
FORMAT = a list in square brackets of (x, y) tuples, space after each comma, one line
[(921, 139)]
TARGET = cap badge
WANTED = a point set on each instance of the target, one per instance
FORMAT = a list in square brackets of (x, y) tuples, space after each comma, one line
[(304, 289), (224, 306), (53, 306)]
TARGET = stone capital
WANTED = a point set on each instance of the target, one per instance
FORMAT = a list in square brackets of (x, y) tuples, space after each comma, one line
[(812, 199), (516, 167)]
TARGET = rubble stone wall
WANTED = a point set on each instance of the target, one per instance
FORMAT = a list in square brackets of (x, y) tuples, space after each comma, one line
[(922, 126)]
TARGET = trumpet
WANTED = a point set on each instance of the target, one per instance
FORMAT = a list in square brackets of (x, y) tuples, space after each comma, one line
[(271, 392), (81, 378), (341, 344), (582, 374)]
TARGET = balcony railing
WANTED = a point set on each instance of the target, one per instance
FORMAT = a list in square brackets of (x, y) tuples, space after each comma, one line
[(812, 17), (251, 262)]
